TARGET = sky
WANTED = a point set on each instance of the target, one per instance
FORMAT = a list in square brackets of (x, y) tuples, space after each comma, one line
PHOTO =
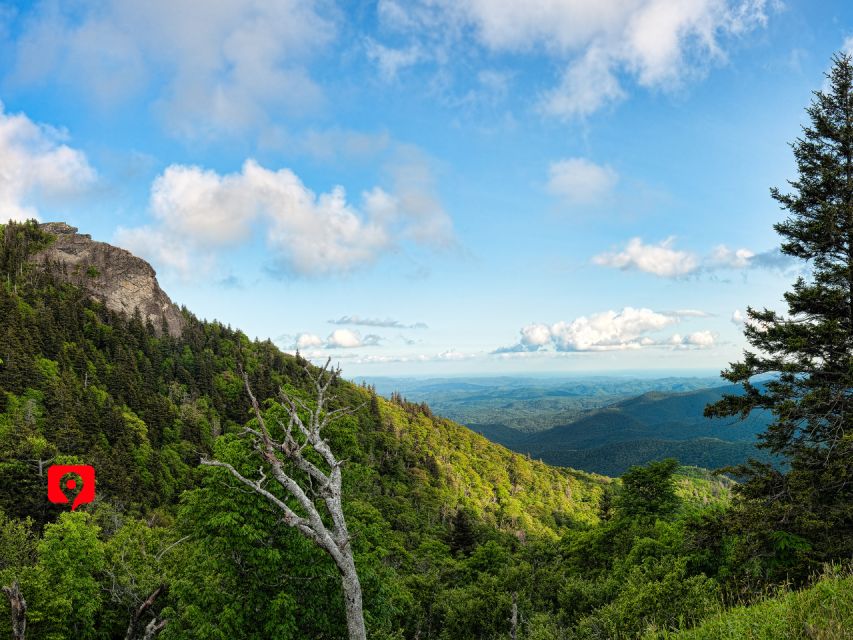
[(430, 187)]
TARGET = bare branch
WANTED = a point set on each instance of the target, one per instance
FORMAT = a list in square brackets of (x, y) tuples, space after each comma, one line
[(170, 547), (334, 540)]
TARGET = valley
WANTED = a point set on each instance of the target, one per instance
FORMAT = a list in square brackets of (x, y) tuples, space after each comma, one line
[(600, 424)]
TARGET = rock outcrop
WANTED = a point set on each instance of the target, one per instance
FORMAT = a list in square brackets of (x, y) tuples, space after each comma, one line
[(113, 276)]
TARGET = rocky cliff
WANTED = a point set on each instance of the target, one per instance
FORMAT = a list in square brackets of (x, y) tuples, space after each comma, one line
[(113, 276)]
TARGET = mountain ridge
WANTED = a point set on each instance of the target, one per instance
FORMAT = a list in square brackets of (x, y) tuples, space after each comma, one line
[(103, 386)]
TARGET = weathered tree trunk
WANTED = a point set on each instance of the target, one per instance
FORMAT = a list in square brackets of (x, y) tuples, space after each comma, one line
[(154, 627), (320, 488), (19, 610), (352, 600)]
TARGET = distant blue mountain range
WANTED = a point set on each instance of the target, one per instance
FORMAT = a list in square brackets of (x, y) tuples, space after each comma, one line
[(599, 424)]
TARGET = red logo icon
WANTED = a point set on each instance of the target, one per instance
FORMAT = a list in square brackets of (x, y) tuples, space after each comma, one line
[(58, 472)]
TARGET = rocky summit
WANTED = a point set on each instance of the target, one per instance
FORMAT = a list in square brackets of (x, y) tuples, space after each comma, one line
[(113, 276)]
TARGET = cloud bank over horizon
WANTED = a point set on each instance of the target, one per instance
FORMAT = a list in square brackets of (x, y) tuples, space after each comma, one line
[(629, 328)]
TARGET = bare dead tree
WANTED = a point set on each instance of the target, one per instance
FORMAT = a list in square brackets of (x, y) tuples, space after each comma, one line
[(19, 610), (322, 486), (154, 626)]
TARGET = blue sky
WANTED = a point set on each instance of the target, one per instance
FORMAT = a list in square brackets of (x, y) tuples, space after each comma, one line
[(428, 187)]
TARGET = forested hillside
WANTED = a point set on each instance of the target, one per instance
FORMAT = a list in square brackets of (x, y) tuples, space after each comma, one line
[(83, 384), (451, 532)]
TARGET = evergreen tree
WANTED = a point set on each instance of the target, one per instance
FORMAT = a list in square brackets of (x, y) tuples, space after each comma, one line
[(463, 536), (649, 490), (808, 353)]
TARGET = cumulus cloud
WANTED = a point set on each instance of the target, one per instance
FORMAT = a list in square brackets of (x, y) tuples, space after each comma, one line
[(377, 322), (629, 328), (338, 339), (660, 259), (580, 181), (656, 43), (36, 165), (308, 234), (208, 67), (349, 339), (535, 336), (308, 341), (664, 260)]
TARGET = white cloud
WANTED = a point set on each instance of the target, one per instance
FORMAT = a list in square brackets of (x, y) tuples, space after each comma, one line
[(664, 260), (344, 339), (580, 181), (696, 340), (724, 257), (657, 43), (311, 343), (629, 328), (164, 249), (534, 336), (308, 341), (738, 317), (210, 67), (308, 234), (36, 166), (608, 330), (660, 259), (585, 87)]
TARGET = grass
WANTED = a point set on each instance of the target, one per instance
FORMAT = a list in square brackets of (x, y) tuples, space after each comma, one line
[(823, 611)]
